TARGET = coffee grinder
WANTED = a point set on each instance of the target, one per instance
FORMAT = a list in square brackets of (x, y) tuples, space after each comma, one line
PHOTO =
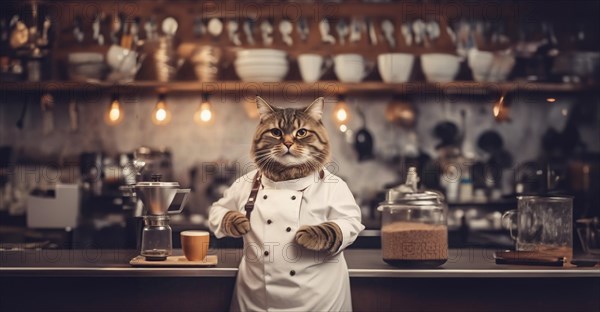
[(160, 199)]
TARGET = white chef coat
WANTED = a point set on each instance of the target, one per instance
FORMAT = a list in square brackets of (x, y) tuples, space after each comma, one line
[(275, 273)]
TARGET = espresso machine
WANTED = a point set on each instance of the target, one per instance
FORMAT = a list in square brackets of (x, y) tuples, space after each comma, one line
[(159, 200)]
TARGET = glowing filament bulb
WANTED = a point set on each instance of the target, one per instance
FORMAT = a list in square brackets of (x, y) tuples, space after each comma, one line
[(204, 114), (161, 115), (114, 114), (341, 113)]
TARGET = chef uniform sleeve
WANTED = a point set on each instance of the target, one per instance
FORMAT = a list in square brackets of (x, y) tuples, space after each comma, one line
[(345, 213), (229, 202)]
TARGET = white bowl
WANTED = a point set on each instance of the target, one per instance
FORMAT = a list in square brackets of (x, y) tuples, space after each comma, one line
[(440, 67), (262, 73), (501, 68), (261, 61), (264, 53), (395, 67)]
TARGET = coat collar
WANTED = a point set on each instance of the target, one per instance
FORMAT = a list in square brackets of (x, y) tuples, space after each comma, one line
[(296, 184)]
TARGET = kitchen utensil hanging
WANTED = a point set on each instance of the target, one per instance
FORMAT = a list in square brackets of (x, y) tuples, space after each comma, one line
[(363, 141)]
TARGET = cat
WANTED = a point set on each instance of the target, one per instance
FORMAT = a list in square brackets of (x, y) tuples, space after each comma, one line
[(304, 217), (290, 143)]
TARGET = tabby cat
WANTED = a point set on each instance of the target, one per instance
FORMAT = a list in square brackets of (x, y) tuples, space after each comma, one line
[(290, 143)]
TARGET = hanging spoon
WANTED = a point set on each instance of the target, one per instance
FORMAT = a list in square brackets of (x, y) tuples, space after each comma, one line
[(286, 28), (324, 29), (43, 41), (21, 120), (169, 26), (372, 32), (342, 30), (266, 30), (388, 31), (249, 31), (303, 29), (232, 31), (418, 28), (356, 27), (407, 34)]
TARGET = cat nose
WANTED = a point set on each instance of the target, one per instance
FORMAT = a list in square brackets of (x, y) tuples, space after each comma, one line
[(288, 144)]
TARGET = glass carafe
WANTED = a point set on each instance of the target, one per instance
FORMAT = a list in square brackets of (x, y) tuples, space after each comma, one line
[(414, 231), (156, 238)]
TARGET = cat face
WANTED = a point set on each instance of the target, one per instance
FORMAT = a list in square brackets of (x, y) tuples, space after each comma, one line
[(290, 143)]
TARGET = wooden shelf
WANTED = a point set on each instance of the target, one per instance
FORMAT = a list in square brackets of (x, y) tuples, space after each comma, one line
[(324, 88)]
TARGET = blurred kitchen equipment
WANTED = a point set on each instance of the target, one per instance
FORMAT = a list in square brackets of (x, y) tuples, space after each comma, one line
[(577, 66), (166, 60), (395, 67), (156, 161), (86, 66), (261, 65), (313, 66), (342, 30), (588, 231), (90, 169), (160, 200), (249, 31), (286, 28), (215, 27), (400, 112), (351, 67), (414, 230), (356, 27), (500, 110), (60, 209), (21, 121), (490, 66), (206, 60), (439, 67), (372, 32), (266, 31), (47, 108), (363, 142), (303, 28), (388, 32), (324, 29), (125, 63), (544, 224), (232, 32)]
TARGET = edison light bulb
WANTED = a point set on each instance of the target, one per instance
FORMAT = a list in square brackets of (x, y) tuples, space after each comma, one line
[(204, 114), (341, 113), (160, 114), (114, 114)]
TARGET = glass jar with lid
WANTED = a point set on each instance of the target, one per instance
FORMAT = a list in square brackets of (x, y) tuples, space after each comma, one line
[(414, 230)]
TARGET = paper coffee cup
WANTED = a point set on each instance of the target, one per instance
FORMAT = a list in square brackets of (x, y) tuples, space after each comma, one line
[(195, 244)]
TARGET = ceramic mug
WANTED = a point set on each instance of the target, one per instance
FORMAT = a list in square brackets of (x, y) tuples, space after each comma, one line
[(395, 67), (313, 66), (195, 244), (351, 67)]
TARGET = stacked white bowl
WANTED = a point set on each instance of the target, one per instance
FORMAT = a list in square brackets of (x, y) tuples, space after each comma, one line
[(490, 66), (261, 65)]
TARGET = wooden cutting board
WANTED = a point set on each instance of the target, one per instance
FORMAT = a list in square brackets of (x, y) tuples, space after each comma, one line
[(174, 261)]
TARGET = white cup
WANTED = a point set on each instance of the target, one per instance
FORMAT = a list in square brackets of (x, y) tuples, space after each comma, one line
[(122, 60), (351, 67), (313, 66), (395, 67)]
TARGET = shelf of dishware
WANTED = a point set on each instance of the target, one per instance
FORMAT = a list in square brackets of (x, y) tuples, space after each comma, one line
[(323, 88)]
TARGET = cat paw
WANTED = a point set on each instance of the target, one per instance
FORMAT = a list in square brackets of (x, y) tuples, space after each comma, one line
[(325, 236), (235, 224)]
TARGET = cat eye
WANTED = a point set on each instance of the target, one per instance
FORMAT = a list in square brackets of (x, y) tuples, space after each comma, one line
[(276, 132), (301, 132)]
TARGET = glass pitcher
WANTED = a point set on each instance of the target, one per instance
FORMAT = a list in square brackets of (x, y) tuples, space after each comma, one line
[(156, 238)]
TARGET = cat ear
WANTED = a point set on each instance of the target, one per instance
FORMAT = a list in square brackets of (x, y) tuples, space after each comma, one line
[(264, 109), (315, 110)]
